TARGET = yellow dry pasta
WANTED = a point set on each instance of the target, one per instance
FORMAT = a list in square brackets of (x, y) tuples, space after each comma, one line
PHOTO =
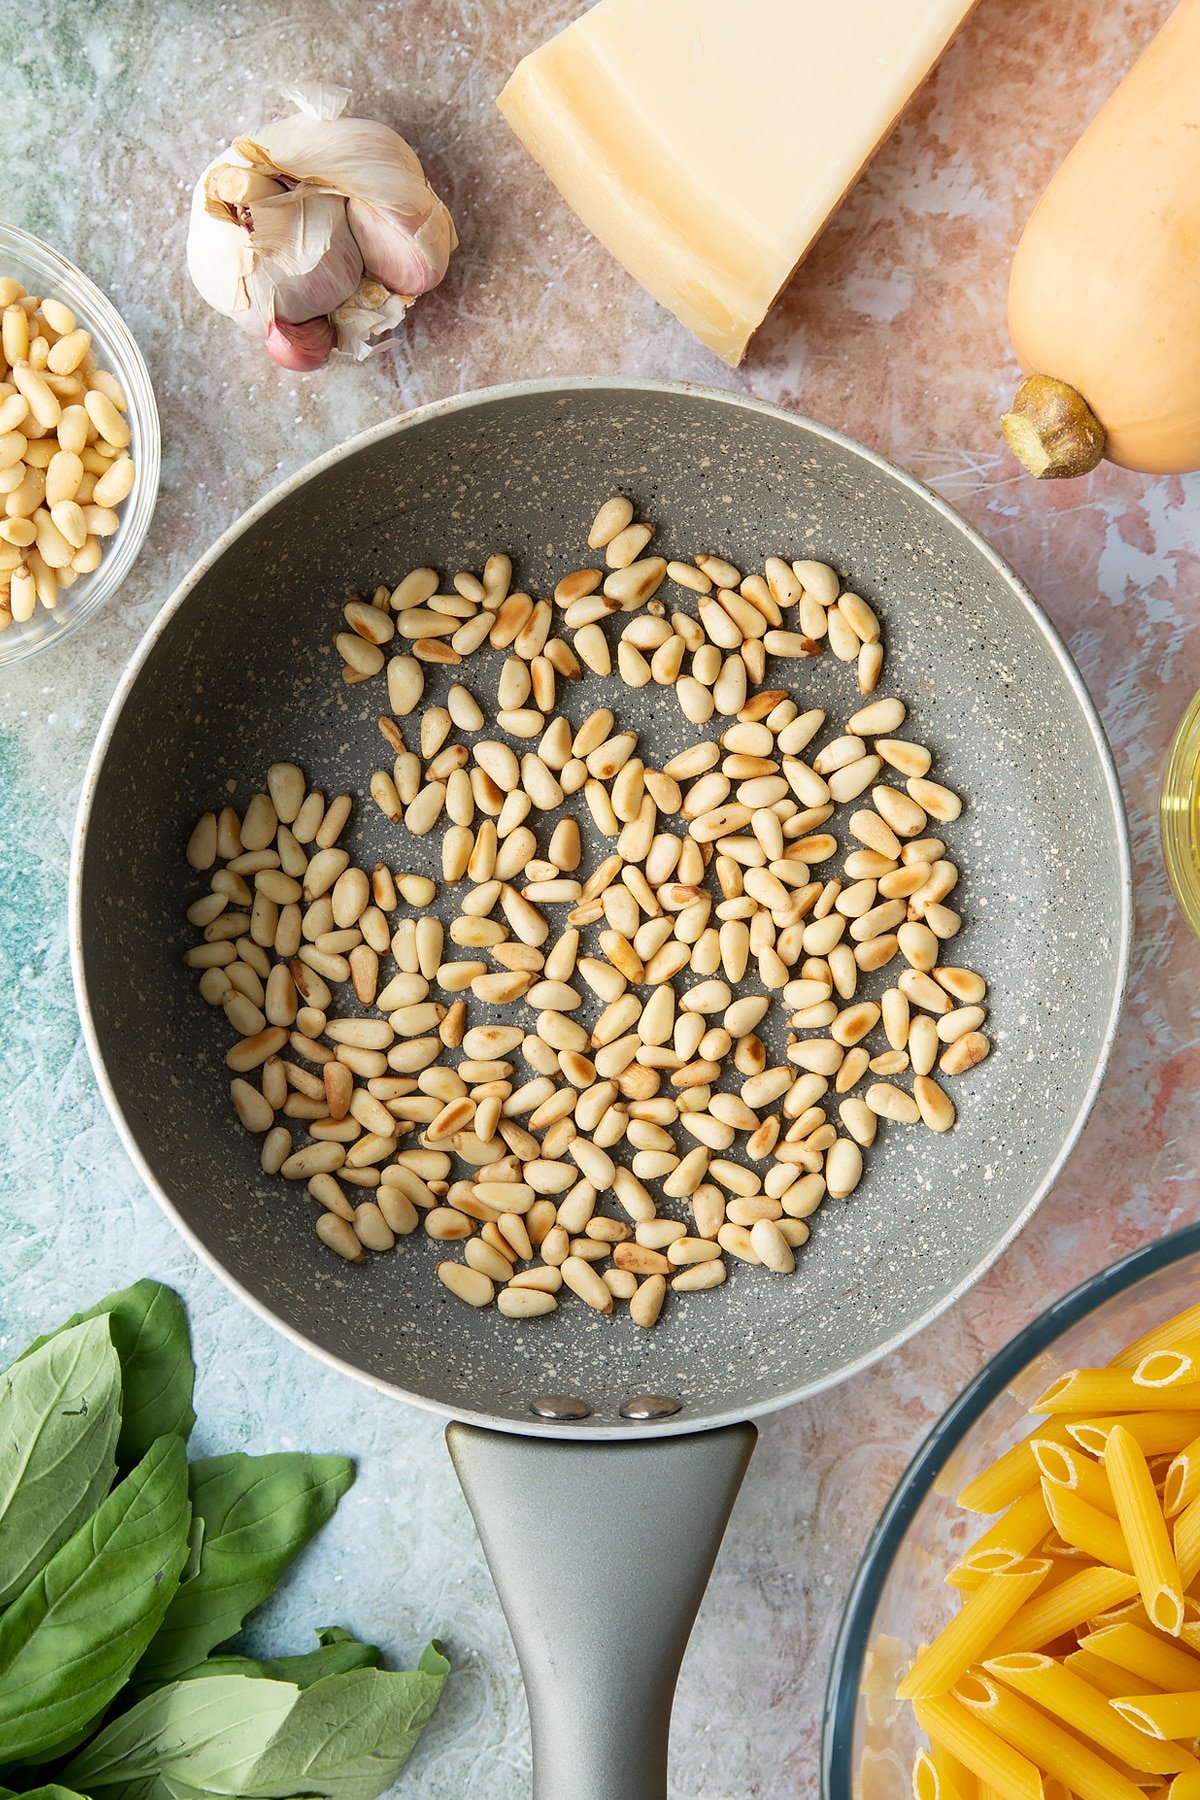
[(953, 1775), (948, 1724), (964, 1640), (1017, 1532), (1159, 1434), (1163, 1715), (1186, 1535), (1167, 1368), (1092, 1682), (1113, 1391), (1096, 1533), (1064, 1608), (933, 1780), (1043, 1742), (1113, 1682), (1077, 1705), (1144, 1656), (1183, 1326), (1067, 1466), (1012, 1475), (1140, 1518), (1182, 1485)]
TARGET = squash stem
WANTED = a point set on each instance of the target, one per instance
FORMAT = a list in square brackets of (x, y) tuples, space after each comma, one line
[(1051, 430)]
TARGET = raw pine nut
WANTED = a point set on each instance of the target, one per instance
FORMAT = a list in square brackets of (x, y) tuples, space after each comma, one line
[(843, 1168), (770, 1246), (903, 814), (613, 517), (964, 1053), (907, 758), (924, 1046), (965, 986), (338, 1234), (936, 1107), (468, 1284), (939, 802), (696, 1279), (891, 1102)]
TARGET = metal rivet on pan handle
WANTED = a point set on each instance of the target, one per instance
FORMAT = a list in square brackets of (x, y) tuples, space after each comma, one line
[(560, 1406), (650, 1406)]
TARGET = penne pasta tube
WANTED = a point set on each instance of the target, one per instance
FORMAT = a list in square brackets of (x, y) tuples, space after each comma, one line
[(953, 1772), (1013, 1536), (1114, 1391), (1140, 1517), (1088, 1528), (1051, 1748), (948, 1724), (1159, 1433), (1012, 1475), (1186, 1536), (1130, 1612), (1060, 1551), (964, 1640), (977, 1565), (1167, 1368), (1050, 1614), (1144, 1655), (1107, 1678), (1186, 1786), (1067, 1466), (1182, 1485), (1178, 1330), (933, 1778), (1067, 1697), (1162, 1715)]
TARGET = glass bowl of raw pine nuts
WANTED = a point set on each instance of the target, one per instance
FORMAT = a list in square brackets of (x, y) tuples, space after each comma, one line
[(79, 447)]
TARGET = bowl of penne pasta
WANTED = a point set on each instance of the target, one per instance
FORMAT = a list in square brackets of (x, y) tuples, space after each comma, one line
[(1025, 1624)]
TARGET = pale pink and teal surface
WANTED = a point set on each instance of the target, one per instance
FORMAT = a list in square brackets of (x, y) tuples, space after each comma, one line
[(894, 331)]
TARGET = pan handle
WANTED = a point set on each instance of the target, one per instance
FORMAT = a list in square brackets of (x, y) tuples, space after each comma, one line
[(601, 1554)]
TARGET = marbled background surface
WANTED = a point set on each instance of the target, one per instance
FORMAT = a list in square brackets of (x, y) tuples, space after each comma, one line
[(894, 331)]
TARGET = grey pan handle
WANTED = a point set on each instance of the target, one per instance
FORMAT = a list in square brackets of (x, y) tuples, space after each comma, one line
[(601, 1554)]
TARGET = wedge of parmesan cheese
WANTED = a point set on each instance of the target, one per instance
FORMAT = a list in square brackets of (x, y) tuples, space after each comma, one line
[(706, 142)]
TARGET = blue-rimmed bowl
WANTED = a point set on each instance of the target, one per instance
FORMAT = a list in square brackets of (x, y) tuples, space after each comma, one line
[(899, 1598), (42, 271)]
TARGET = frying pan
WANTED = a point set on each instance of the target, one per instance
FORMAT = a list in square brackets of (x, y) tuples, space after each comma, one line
[(601, 1547)]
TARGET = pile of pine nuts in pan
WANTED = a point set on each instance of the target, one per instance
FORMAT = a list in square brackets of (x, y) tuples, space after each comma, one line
[(539, 1143)]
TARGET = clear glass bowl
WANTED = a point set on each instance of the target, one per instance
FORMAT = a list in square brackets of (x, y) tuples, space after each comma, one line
[(1179, 815), (42, 271), (899, 1598)]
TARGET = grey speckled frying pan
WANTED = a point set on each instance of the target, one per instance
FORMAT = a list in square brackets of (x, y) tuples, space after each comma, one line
[(237, 672)]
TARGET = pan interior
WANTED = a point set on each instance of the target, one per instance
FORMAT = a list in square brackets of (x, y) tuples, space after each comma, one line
[(242, 674)]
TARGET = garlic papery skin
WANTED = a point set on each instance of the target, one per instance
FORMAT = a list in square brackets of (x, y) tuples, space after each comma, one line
[(318, 218)]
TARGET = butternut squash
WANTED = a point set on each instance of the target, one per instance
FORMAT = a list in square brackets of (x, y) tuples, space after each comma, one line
[(1104, 299)]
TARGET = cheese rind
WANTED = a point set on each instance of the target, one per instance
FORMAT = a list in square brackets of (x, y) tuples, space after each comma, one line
[(706, 142)]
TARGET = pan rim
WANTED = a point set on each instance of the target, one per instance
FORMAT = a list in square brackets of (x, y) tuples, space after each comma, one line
[(612, 1430)]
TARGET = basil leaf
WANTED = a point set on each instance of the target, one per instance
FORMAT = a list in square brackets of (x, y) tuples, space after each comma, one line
[(207, 1734), (348, 1737), (150, 1334), (70, 1639), (51, 1791), (60, 1413), (338, 1653), (257, 1513)]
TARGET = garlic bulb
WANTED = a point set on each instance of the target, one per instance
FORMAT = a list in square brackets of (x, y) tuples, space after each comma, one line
[(319, 232)]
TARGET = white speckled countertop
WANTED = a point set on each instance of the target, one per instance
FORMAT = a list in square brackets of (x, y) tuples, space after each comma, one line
[(893, 331)]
